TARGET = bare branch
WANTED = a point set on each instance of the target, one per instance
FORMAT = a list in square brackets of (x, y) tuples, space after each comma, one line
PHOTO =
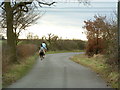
[(47, 3), (21, 4), (21, 10), (43, 3), (1, 4)]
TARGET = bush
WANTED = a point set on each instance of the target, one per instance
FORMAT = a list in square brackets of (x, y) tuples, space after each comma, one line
[(26, 50), (94, 47), (66, 45), (23, 51), (5, 56)]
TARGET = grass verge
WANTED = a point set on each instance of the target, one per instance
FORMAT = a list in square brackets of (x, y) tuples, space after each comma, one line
[(16, 71), (98, 65)]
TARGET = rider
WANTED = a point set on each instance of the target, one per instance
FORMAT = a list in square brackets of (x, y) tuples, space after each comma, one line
[(41, 52), (44, 46)]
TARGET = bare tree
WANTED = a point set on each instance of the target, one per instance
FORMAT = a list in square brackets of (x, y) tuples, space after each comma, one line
[(11, 9), (30, 35), (17, 7), (22, 21)]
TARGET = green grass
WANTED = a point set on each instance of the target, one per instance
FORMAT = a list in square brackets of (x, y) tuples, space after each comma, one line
[(0, 41), (20, 42), (63, 51), (17, 71), (98, 65), (0, 84)]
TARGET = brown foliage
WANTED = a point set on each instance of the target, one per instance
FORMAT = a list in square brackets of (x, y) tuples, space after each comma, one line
[(23, 51), (5, 57), (95, 33), (26, 50), (93, 47), (102, 36)]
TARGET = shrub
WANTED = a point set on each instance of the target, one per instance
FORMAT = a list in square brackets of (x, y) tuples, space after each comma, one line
[(26, 50), (23, 51), (5, 56), (67, 45), (95, 47)]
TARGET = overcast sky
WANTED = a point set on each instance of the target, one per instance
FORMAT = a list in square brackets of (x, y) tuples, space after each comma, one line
[(104, 0), (67, 19)]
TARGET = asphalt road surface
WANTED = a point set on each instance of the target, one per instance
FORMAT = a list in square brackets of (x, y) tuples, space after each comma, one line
[(58, 71)]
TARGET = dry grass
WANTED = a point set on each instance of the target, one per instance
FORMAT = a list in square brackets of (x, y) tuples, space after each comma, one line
[(97, 64), (5, 58), (16, 71), (11, 71)]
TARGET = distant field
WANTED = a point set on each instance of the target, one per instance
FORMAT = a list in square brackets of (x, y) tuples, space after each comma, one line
[(63, 51), (0, 41)]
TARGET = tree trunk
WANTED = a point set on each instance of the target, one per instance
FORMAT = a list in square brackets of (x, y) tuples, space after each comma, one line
[(10, 33)]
